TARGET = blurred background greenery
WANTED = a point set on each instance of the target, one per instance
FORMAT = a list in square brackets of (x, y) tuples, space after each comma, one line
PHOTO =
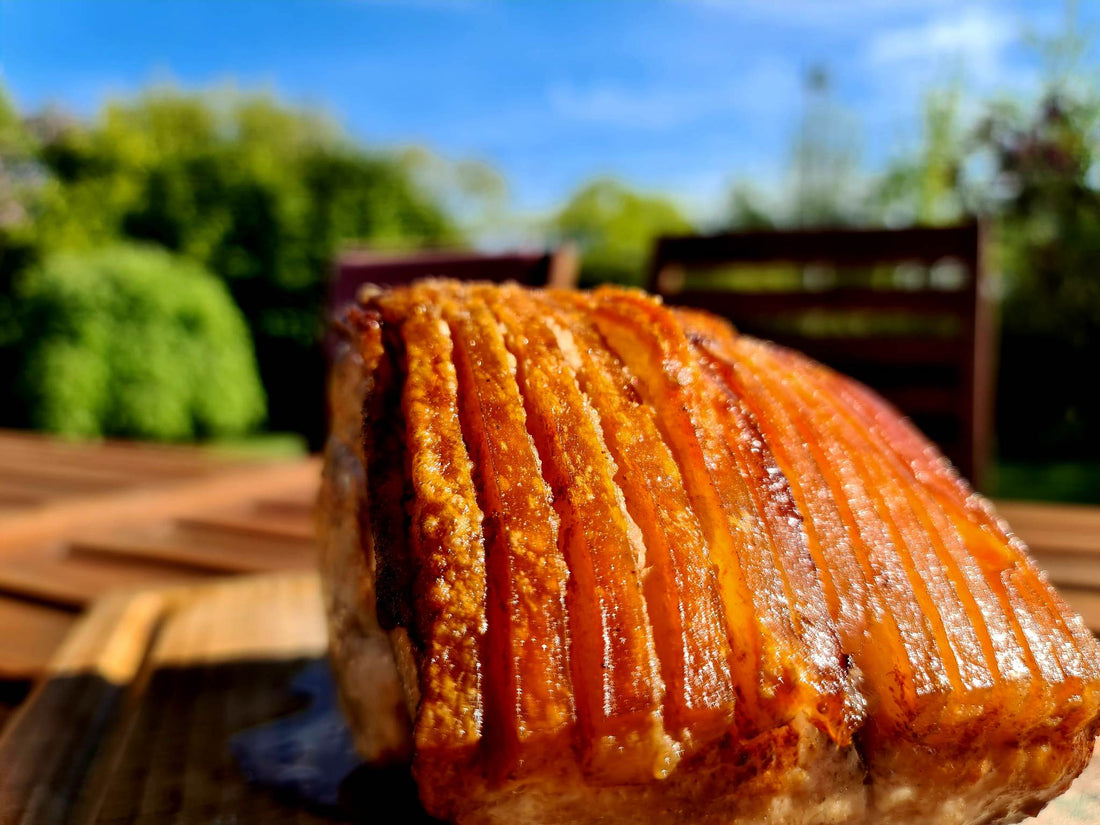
[(237, 189), (164, 264)]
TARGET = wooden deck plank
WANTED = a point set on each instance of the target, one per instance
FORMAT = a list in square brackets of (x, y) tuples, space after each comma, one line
[(31, 635), (156, 503), (74, 581), (259, 526), (222, 554)]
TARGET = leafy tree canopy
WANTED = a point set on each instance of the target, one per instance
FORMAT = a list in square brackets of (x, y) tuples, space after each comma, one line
[(615, 228), (929, 187)]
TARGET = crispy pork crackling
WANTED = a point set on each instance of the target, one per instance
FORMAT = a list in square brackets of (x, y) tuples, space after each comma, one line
[(589, 559)]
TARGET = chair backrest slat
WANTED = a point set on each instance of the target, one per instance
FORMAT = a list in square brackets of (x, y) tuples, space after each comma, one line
[(935, 363), (925, 302), (837, 246), (355, 268)]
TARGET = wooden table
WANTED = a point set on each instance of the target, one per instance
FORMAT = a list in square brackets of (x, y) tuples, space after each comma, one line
[(78, 520)]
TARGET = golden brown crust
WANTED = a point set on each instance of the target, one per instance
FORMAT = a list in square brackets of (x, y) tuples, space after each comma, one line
[(641, 567), (447, 556), (680, 585), (787, 655), (616, 675), (531, 710)]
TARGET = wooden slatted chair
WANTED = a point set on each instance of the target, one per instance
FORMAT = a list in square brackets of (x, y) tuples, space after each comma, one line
[(906, 311), (558, 268)]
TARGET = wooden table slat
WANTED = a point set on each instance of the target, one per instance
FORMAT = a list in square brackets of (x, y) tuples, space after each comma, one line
[(152, 504), (1076, 570), (258, 526), (1024, 515), (1051, 541), (303, 506), (75, 581), (79, 519), (29, 635), (222, 555), (100, 744)]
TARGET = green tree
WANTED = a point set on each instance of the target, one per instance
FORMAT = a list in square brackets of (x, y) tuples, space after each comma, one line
[(471, 191), (17, 248), (17, 150), (132, 341), (928, 188), (615, 228), (1043, 191), (1047, 204), (748, 209)]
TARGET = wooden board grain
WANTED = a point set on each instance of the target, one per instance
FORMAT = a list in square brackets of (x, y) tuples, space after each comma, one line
[(80, 519), (31, 633), (132, 723)]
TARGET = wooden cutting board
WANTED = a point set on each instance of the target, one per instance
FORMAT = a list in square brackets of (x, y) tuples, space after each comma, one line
[(133, 723)]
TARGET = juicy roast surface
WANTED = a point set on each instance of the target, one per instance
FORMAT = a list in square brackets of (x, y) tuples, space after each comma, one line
[(630, 564)]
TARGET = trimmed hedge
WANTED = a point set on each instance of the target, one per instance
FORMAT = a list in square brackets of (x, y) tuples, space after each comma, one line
[(133, 341)]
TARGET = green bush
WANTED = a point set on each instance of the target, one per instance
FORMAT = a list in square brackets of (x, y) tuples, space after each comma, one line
[(133, 341)]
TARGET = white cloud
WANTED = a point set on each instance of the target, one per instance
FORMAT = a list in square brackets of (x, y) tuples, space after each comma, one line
[(970, 51), (766, 89), (606, 103), (976, 37)]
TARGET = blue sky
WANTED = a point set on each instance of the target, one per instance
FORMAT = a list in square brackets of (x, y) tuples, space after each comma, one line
[(684, 97)]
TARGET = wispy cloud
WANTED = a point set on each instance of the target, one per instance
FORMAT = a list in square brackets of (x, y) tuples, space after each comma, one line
[(619, 105), (973, 51), (978, 38), (765, 89)]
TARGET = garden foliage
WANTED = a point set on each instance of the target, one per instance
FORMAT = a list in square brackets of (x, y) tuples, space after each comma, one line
[(260, 194), (132, 341)]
